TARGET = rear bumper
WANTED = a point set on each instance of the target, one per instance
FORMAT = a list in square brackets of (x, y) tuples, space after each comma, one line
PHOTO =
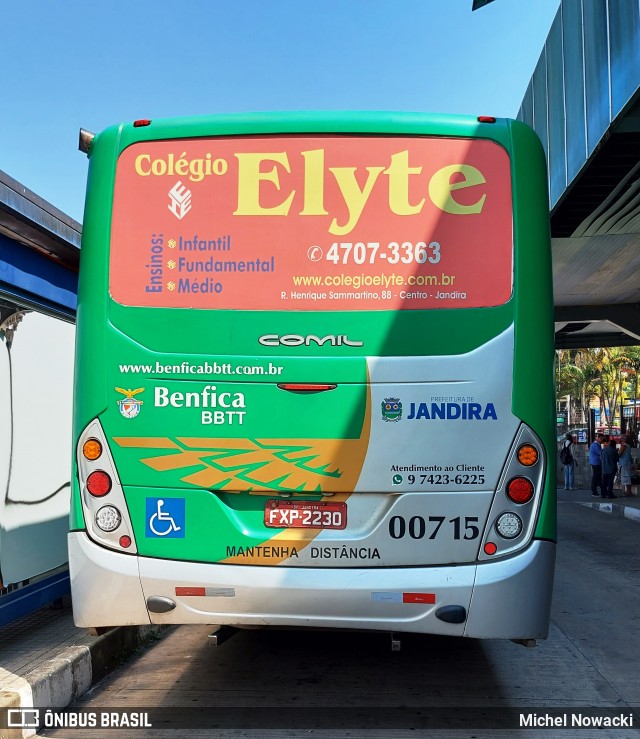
[(503, 599)]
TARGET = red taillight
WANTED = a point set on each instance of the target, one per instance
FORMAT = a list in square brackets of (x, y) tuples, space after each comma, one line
[(520, 490), (98, 483), (486, 119), (306, 387), (490, 548), (141, 122), (125, 542)]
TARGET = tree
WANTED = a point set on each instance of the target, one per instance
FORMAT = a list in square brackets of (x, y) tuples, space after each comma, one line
[(612, 381), (633, 372), (603, 373), (578, 376)]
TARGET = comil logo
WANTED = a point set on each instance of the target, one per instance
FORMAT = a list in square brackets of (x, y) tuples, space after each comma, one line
[(180, 200), (297, 340)]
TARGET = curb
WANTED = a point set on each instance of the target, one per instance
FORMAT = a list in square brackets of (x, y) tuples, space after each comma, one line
[(58, 682), (615, 509)]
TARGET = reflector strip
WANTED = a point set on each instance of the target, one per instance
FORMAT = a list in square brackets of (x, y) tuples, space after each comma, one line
[(419, 598), (207, 592), (390, 597), (191, 591), (386, 597)]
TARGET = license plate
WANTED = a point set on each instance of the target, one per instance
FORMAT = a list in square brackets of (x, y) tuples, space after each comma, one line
[(305, 514)]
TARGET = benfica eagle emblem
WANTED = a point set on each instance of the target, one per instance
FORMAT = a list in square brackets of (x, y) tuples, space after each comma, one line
[(129, 406)]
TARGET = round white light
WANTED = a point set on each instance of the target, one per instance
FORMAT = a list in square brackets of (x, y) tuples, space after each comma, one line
[(108, 518), (509, 526)]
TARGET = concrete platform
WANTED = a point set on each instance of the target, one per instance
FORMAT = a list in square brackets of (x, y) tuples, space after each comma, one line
[(46, 662)]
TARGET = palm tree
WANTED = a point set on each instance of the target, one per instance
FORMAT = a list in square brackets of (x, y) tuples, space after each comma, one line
[(566, 381), (604, 373), (590, 377), (612, 362), (578, 376), (633, 371)]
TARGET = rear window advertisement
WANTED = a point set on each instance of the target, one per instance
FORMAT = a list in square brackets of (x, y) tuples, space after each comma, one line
[(312, 223)]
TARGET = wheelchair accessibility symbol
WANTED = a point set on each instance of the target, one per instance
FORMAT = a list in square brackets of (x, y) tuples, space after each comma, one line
[(165, 518)]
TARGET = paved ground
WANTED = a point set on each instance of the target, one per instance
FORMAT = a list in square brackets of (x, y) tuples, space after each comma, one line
[(46, 661), (26, 643), (620, 506)]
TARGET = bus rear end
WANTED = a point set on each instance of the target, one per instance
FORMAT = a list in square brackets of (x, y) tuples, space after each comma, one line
[(314, 377)]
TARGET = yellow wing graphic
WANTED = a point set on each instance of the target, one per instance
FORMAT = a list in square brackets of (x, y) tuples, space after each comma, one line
[(130, 393), (267, 466)]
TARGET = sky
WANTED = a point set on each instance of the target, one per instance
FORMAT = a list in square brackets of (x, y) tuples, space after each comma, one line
[(70, 64)]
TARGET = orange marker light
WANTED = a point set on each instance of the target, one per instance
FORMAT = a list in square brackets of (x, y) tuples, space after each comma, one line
[(527, 455), (92, 449)]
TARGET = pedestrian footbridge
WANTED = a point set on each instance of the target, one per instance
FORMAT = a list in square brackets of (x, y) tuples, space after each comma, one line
[(584, 102)]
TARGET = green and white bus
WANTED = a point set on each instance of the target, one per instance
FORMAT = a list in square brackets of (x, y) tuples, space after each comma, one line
[(314, 378)]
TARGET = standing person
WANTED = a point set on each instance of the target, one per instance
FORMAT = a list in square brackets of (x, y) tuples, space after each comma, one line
[(595, 452), (566, 457), (624, 462), (609, 460)]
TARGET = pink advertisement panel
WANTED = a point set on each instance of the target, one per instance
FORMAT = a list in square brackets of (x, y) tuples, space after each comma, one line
[(312, 223)]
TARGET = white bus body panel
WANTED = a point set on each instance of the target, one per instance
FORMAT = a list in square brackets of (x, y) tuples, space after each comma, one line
[(111, 589), (105, 585)]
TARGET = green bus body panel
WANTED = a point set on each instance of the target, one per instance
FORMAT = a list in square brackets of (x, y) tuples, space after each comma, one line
[(108, 332), (534, 390)]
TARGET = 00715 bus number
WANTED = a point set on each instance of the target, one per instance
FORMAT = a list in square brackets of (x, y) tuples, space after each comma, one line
[(417, 527)]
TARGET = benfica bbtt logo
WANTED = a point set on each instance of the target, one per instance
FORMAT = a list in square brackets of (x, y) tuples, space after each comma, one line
[(129, 406)]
